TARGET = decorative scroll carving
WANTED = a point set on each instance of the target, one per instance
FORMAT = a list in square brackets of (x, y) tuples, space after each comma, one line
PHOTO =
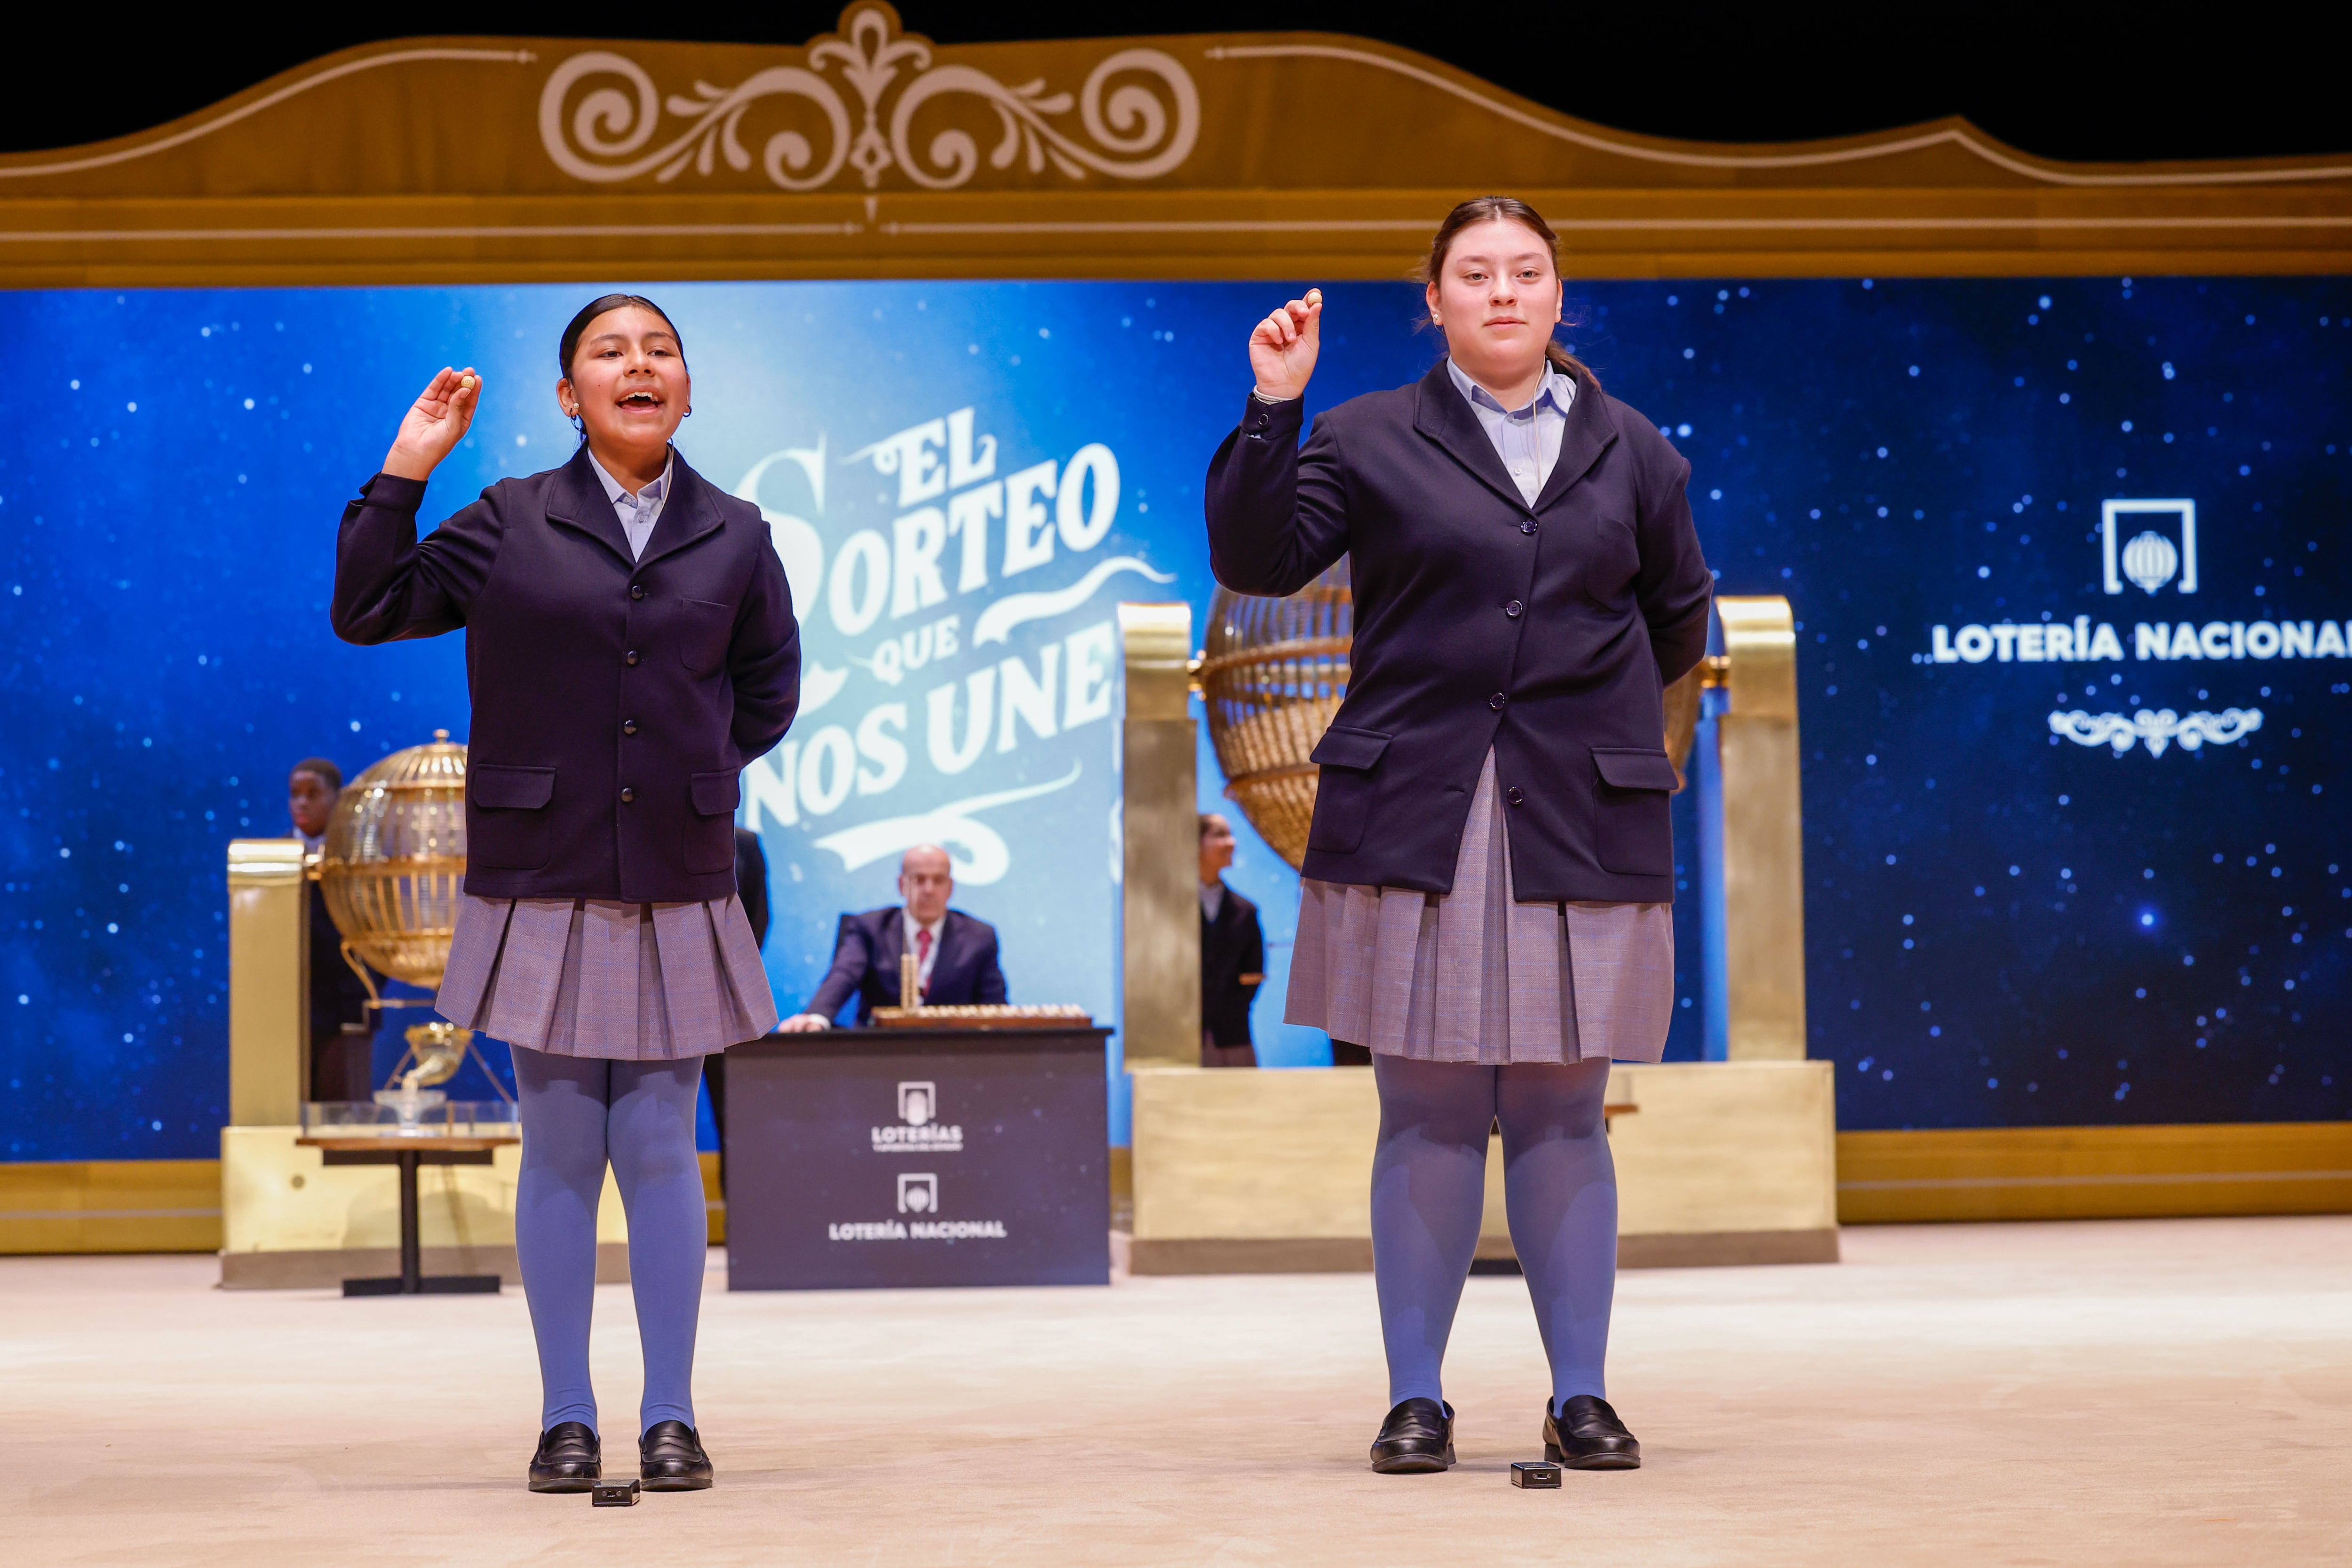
[(2159, 730), (1130, 130)]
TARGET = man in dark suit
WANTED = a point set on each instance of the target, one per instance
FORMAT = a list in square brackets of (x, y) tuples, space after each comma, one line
[(1233, 954), (955, 955), (751, 888)]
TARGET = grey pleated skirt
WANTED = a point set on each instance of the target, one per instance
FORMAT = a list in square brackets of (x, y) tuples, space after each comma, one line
[(1474, 975), (584, 977)]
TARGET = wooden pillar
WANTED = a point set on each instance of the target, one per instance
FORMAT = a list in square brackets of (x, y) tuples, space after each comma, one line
[(1159, 1006), (268, 961), (1763, 832)]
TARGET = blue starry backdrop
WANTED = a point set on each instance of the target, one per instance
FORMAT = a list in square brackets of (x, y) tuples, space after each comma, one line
[(2049, 880)]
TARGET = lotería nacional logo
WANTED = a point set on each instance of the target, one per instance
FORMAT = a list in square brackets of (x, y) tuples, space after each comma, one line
[(920, 1130), (2152, 557), (918, 1204), (2149, 545), (918, 1192)]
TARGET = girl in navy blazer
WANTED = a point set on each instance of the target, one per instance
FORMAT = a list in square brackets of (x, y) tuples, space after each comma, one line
[(630, 645), (1489, 874)]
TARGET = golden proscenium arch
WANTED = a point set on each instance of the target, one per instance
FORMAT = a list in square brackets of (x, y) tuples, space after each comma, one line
[(873, 153)]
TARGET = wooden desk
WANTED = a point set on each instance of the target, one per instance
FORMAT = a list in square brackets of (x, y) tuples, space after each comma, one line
[(408, 1153), (860, 1158)]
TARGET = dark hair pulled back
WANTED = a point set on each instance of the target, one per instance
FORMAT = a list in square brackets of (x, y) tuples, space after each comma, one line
[(1508, 209), (598, 307)]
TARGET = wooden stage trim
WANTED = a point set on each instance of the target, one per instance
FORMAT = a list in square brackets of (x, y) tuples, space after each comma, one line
[(2096, 1173), (111, 1205), (323, 1268), (1353, 1255), (1729, 1249), (1971, 1173), (174, 1206)]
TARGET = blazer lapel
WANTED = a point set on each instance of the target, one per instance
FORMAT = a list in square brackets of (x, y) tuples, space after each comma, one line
[(576, 497), (1589, 433), (1446, 417), (947, 966), (691, 513)]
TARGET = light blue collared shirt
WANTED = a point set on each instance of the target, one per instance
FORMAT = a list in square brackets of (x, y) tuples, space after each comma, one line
[(639, 513), (1527, 439)]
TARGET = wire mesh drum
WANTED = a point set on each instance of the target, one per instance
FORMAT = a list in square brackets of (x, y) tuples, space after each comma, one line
[(396, 857), (1273, 673)]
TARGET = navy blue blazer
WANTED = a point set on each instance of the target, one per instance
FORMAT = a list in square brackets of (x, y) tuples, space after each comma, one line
[(1547, 632), (615, 701), (865, 962), (1232, 945)]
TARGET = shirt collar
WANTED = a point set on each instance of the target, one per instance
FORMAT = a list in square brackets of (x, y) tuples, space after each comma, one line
[(616, 492), (1557, 389)]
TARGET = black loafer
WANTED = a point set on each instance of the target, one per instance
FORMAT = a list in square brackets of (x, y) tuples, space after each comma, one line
[(1587, 1436), (670, 1458), (1418, 1435), (569, 1460)]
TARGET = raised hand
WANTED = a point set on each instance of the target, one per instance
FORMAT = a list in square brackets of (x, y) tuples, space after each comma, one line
[(1281, 349), (435, 424)]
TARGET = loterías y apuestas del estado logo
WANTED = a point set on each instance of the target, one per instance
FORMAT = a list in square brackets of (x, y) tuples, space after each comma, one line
[(2149, 548)]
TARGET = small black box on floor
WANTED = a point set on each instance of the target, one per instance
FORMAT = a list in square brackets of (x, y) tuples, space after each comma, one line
[(1535, 1473), (623, 1494)]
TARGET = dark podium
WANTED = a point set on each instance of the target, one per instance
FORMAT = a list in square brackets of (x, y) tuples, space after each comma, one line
[(940, 1153)]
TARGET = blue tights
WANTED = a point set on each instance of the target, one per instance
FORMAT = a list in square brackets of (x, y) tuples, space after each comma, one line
[(577, 1114), (1428, 1184)]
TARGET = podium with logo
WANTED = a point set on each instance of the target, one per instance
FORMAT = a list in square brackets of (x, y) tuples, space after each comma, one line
[(943, 1150)]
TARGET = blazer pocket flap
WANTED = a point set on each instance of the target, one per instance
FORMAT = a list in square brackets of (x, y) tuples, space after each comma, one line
[(716, 794), (1629, 767), (1345, 748), (510, 789)]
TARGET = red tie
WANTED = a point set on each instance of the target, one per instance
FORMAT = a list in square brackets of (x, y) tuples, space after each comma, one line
[(922, 956)]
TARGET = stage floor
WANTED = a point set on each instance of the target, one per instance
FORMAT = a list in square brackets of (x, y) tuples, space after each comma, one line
[(2155, 1391)]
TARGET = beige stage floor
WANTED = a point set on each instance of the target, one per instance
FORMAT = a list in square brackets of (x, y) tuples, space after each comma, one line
[(2130, 1392)]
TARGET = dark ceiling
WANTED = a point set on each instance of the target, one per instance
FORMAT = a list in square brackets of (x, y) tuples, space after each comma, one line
[(2072, 81)]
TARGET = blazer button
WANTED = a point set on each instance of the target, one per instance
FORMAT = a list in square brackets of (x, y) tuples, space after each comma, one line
[(631, 656), (627, 794), (1496, 701), (1513, 609), (1523, 528), (628, 726), (1515, 795), (637, 590)]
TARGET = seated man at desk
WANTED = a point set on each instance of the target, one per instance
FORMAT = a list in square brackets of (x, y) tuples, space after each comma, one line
[(955, 955)]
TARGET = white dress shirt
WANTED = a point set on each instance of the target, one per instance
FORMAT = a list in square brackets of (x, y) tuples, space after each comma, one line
[(1212, 897), (639, 513), (1527, 439)]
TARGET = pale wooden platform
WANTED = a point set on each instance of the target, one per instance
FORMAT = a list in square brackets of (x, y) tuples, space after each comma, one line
[(2143, 1393)]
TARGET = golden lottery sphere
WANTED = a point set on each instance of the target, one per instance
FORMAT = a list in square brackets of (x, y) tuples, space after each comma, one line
[(396, 857), (1273, 673)]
